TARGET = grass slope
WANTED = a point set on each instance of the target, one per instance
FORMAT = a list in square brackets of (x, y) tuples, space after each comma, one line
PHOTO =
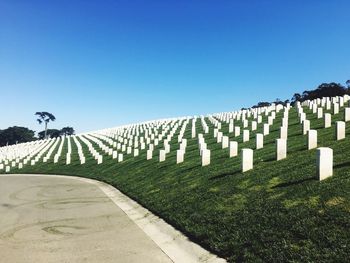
[(276, 212)]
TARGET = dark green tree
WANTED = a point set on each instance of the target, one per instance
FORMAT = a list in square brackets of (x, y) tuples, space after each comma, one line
[(50, 133), (67, 131), (15, 134), (45, 117)]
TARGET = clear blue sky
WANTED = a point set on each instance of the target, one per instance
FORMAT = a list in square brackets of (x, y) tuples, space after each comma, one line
[(99, 64)]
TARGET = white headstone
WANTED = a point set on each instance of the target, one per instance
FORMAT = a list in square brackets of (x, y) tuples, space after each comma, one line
[(347, 114), (335, 108), (149, 154), (312, 139), (162, 154), (180, 156), (340, 130), (120, 157), (327, 120), (283, 132), (266, 129), (306, 126), (237, 131), (281, 149), (233, 148), (225, 141), (205, 157), (136, 152), (259, 140), (324, 163), (254, 125), (245, 135), (319, 113), (68, 159), (247, 159)]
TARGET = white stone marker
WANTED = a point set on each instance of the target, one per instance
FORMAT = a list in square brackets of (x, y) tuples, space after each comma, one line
[(266, 129), (7, 168), (162, 155), (237, 131), (225, 141), (245, 135), (136, 152), (340, 130), (149, 154), (99, 159), (306, 126), (347, 114), (319, 113), (114, 154), (254, 125), (259, 119), (312, 139), (324, 163), (335, 108), (20, 165), (259, 140), (219, 137), (68, 159), (120, 157), (245, 123), (180, 156), (233, 148), (281, 149), (283, 132), (247, 159), (205, 157), (327, 120)]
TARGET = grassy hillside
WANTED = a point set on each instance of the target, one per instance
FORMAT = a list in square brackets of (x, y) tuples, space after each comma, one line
[(276, 212)]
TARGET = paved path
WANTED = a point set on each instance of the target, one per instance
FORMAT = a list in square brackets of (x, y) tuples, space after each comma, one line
[(45, 219)]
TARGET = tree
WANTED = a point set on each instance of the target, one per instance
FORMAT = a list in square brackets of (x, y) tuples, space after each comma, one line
[(296, 97), (50, 133), (262, 104), (45, 117), (348, 83), (324, 90), (67, 131), (16, 134)]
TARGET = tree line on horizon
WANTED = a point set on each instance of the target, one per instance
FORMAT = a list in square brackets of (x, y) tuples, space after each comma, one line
[(18, 134), (323, 90)]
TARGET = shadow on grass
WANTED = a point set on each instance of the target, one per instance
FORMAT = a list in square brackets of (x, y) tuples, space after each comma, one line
[(224, 175), (341, 165), (281, 185)]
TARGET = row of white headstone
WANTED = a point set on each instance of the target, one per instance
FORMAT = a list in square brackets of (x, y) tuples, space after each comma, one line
[(128, 138)]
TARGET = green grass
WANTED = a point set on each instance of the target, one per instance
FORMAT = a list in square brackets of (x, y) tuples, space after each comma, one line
[(276, 212)]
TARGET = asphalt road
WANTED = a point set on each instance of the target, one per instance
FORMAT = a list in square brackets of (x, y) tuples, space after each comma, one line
[(44, 219)]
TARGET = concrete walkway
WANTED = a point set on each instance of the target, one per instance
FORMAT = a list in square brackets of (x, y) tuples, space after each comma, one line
[(52, 219)]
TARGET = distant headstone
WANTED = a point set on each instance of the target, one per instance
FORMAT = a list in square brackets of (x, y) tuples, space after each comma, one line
[(281, 149), (312, 139), (259, 140), (324, 163), (327, 120), (233, 148), (205, 157), (340, 130)]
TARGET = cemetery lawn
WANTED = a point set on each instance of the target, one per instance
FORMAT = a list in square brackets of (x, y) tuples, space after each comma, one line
[(276, 212)]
